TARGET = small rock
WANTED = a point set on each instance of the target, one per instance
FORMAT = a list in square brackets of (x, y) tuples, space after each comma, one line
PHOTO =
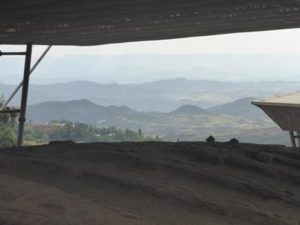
[(210, 139), (233, 141)]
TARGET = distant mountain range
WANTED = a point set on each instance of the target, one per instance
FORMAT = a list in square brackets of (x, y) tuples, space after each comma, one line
[(141, 68), (76, 111), (173, 109), (159, 96), (186, 122), (237, 119), (88, 112)]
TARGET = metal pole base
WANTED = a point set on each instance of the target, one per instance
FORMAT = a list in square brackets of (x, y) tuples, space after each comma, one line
[(294, 135)]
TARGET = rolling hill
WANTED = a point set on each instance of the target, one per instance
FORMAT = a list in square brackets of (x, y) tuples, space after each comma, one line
[(188, 122), (160, 96), (241, 108), (76, 111), (189, 110), (88, 112)]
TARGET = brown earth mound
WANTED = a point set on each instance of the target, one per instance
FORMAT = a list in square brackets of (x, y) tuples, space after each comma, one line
[(150, 183)]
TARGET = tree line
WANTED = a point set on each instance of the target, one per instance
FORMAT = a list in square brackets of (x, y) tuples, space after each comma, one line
[(64, 130), (81, 132), (7, 128)]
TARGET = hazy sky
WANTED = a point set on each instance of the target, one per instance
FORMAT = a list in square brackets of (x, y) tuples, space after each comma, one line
[(267, 42), (57, 67)]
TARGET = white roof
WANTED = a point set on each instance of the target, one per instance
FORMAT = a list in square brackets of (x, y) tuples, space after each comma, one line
[(291, 99)]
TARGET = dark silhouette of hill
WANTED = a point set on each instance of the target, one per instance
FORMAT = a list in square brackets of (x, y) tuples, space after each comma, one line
[(76, 110), (190, 110)]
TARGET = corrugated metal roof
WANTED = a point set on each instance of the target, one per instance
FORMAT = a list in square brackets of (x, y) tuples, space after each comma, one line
[(94, 22)]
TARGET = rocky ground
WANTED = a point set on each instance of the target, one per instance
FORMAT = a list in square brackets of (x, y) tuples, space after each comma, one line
[(150, 183)]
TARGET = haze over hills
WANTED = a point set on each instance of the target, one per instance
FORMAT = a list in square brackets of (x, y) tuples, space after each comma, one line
[(159, 96), (188, 122), (142, 68), (173, 109), (88, 112)]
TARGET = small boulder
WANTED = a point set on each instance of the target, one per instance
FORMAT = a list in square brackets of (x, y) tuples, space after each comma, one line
[(210, 139), (233, 141)]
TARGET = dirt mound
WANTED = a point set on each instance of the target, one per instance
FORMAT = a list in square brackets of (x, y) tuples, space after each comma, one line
[(150, 183)]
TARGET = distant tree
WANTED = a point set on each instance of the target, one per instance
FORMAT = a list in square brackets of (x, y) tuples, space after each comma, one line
[(7, 123), (140, 135), (7, 137)]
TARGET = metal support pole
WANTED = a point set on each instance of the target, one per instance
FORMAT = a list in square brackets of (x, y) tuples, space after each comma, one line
[(21, 83), (293, 141), (22, 117)]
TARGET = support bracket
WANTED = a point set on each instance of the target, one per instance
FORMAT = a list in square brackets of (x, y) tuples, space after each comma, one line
[(11, 53)]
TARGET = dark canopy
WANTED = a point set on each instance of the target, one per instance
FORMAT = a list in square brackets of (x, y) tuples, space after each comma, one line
[(95, 22)]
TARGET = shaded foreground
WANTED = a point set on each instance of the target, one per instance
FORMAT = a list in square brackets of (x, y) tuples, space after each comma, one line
[(150, 183)]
